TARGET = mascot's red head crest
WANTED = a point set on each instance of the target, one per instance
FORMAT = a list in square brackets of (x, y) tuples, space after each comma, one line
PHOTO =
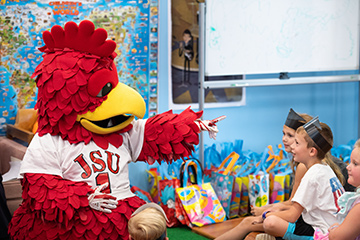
[(75, 82)]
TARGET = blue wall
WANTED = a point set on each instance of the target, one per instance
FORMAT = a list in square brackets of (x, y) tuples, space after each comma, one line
[(260, 122)]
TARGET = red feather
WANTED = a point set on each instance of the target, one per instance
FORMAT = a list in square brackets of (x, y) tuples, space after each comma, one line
[(170, 136), (55, 208), (72, 56), (83, 38), (62, 96)]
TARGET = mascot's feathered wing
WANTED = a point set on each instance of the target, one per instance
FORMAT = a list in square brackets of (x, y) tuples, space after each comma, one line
[(75, 172)]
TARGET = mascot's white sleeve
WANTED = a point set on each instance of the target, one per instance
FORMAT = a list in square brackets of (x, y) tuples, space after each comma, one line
[(42, 156), (135, 138)]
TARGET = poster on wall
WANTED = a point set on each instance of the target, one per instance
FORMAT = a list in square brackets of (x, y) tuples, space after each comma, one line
[(184, 62), (133, 25)]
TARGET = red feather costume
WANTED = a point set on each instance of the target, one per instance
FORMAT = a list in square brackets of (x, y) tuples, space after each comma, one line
[(85, 138)]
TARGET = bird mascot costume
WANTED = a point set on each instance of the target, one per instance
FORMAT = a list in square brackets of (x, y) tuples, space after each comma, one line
[(74, 174)]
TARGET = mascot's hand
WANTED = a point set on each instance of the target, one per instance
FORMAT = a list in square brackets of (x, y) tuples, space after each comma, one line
[(210, 126), (101, 201)]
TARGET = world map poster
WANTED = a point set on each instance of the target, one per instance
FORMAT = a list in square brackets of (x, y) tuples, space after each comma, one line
[(133, 25)]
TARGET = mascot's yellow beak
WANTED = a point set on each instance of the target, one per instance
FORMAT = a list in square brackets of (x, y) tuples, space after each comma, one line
[(116, 112)]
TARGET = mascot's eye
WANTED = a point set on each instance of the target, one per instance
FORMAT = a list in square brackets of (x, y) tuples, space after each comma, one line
[(105, 90)]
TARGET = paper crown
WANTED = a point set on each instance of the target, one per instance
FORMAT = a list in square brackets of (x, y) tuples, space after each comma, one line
[(294, 120), (312, 128), (82, 38)]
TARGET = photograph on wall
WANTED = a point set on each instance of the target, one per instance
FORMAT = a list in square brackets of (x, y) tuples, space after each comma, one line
[(133, 25), (184, 62)]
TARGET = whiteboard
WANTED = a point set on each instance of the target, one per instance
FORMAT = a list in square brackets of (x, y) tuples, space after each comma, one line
[(272, 36)]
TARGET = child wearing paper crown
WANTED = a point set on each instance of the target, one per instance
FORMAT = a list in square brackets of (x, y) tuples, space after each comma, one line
[(349, 205), (250, 224), (316, 199), (148, 222), (292, 123)]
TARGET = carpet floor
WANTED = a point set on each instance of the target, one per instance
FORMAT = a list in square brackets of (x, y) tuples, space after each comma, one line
[(183, 233)]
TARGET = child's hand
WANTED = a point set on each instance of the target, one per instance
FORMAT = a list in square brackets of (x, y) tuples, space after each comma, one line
[(257, 211), (275, 208), (257, 220)]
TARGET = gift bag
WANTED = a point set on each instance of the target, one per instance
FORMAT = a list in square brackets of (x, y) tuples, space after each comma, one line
[(212, 157), (277, 161), (243, 183), (167, 199), (288, 186), (223, 182), (180, 213), (240, 197), (259, 189), (179, 209), (280, 174), (166, 187), (279, 187), (141, 194), (200, 201), (259, 185), (274, 158), (153, 180), (191, 172)]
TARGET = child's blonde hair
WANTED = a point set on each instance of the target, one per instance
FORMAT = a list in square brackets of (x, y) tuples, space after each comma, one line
[(306, 117), (326, 133), (149, 224), (357, 144)]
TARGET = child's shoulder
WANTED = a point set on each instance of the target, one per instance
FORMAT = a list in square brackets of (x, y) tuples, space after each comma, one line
[(348, 201), (323, 167), (357, 197), (319, 169), (319, 173), (348, 204)]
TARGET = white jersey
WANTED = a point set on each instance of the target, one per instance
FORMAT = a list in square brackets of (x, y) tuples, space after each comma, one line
[(318, 194), (88, 163)]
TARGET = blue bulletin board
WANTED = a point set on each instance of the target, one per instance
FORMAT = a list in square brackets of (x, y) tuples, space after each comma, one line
[(133, 25)]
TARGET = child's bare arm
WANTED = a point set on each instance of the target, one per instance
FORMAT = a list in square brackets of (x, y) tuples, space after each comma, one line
[(350, 227), (291, 214), (299, 174)]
